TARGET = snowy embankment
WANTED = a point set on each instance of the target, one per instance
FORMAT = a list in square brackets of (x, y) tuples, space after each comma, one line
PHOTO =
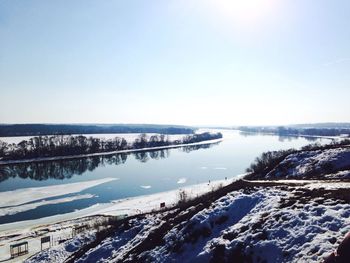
[(277, 223), (64, 250), (60, 224), (319, 164), (148, 203), (131, 206)]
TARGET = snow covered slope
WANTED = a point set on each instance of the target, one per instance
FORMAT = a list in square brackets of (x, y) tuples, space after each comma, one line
[(320, 164)]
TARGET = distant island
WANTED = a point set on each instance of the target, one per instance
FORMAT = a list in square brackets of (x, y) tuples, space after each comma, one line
[(324, 130), (46, 147)]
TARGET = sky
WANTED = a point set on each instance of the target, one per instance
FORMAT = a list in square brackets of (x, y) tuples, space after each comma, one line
[(191, 62)]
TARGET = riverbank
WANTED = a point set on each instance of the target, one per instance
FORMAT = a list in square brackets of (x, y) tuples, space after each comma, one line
[(130, 206), (47, 159), (235, 213), (60, 226), (295, 135), (256, 196)]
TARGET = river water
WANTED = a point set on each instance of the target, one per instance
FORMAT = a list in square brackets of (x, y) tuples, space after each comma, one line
[(82, 182)]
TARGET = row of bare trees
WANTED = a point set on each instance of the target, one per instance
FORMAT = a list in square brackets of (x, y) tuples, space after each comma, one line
[(66, 145)]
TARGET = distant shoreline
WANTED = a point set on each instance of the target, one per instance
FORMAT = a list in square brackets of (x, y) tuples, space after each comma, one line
[(67, 157), (293, 135)]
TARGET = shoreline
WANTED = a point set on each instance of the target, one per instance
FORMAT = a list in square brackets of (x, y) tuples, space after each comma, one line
[(32, 230), (133, 205), (61, 225), (294, 135), (67, 157)]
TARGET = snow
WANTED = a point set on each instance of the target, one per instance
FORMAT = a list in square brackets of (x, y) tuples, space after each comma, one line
[(130, 206), (319, 162), (255, 224), (297, 233), (26, 225), (59, 253), (225, 212), (258, 223), (57, 232), (147, 203), (339, 175), (121, 242)]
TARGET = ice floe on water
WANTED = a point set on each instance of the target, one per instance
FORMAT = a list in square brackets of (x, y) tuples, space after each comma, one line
[(182, 180), (11, 210), (145, 186), (27, 195), (220, 168)]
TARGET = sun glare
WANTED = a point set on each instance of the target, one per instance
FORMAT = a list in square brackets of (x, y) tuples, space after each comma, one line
[(245, 13)]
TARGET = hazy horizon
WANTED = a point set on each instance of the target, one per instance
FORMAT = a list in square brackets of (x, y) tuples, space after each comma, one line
[(185, 125), (197, 63)]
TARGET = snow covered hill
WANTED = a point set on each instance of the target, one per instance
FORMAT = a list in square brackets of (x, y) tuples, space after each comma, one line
[(331, 163)]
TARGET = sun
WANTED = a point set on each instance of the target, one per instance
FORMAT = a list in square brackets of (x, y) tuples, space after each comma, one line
[(245, 13)]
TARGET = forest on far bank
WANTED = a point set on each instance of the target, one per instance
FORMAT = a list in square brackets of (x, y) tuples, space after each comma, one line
[(68, 145), (7, 130)]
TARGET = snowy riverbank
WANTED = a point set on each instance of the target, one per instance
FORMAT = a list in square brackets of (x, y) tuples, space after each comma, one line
[(130, 206), (278, 221), (61, 225)]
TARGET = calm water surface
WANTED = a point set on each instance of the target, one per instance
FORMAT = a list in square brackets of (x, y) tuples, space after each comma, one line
[(141, 173)]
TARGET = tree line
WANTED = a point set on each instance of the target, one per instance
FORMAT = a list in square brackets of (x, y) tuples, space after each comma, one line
[(66, 129), (286, 131), (67, 145)]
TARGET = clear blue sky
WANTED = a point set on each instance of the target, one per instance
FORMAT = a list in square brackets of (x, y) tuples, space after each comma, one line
[(217, 62)]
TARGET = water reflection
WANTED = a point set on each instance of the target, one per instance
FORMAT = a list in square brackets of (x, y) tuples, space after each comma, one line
[(281, 138), (191, 148), (65, 169)]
